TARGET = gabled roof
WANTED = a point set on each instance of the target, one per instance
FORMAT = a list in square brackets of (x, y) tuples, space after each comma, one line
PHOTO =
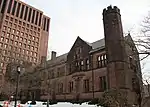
[(98, 44)]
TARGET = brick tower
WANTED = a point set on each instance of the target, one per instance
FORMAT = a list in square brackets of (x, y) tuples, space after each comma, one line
[(115, 48)]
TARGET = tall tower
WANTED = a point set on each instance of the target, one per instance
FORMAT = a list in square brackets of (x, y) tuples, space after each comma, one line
[(115, 48)]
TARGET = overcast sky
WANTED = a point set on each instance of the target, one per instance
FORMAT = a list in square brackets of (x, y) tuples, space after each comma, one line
[(72, 18)]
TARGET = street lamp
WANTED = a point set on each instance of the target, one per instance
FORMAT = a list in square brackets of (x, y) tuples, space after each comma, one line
[(16, 92)]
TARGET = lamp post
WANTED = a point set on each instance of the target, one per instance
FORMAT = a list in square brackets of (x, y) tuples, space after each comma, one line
[(16, 92)]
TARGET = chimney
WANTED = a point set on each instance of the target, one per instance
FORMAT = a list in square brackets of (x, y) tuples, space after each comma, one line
[(53, 55)]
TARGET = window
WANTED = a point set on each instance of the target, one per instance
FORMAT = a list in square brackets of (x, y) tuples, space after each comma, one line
[(60, 88), (20, 43), (2, 64), (18, 32), (13, 31), (25, 40), (33, 43), (81, 65), (29, 41), (87, 64), (33, 38), (7, 40), (47, 25), (4, 28), (6, 22), (11, 41), (12, 36), (21, 39), (10, 23), (3, 33), (102, 83), (10, 47), (19, 27), (26, 35), (16, 43), (30, 36), (28, 46), (32, 48), (86, 85), (9, 7), (19, 49), (40, 19), (16, 21), (5, 46), (17, 37), (29, 15), (70, 86), (15, 26), (20, 23), (37, 44), (2, 38), (8, 35), (14, 7), (9, 29), (24, 24), (1, 44), (22, 34), (36, 49), (33, 16), (31, 53), (31, 31), (24, 45), (23, 51), (18, 9), (101, 60), (27, 52), (35, 54), (22, 10)]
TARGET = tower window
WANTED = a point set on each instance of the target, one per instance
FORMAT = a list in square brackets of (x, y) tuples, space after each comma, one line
[(40, 19), (29, 14), (22, 10), (33, 15), (37, 15), (18, 9), (14, 7), (4, 6), (44, 23), (25, 17), (9, 7), (47, 25)]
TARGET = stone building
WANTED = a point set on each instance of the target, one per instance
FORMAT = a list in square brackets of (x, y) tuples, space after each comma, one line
[(89, 69)]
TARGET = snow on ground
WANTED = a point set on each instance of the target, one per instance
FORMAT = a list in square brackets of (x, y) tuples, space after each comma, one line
[(39, 104)]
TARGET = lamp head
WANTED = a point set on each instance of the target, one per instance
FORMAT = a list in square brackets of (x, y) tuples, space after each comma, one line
[(18, 69)]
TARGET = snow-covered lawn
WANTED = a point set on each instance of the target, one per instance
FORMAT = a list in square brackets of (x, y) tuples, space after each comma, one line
[(40, 104)]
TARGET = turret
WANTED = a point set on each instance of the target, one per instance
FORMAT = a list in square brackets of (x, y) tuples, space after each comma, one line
[(115, 49)]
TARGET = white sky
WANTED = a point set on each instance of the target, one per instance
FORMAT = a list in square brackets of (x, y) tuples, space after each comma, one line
[(72, 18)]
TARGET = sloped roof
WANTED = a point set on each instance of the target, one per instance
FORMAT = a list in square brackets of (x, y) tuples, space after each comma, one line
[(58, 59), (98, 44)]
